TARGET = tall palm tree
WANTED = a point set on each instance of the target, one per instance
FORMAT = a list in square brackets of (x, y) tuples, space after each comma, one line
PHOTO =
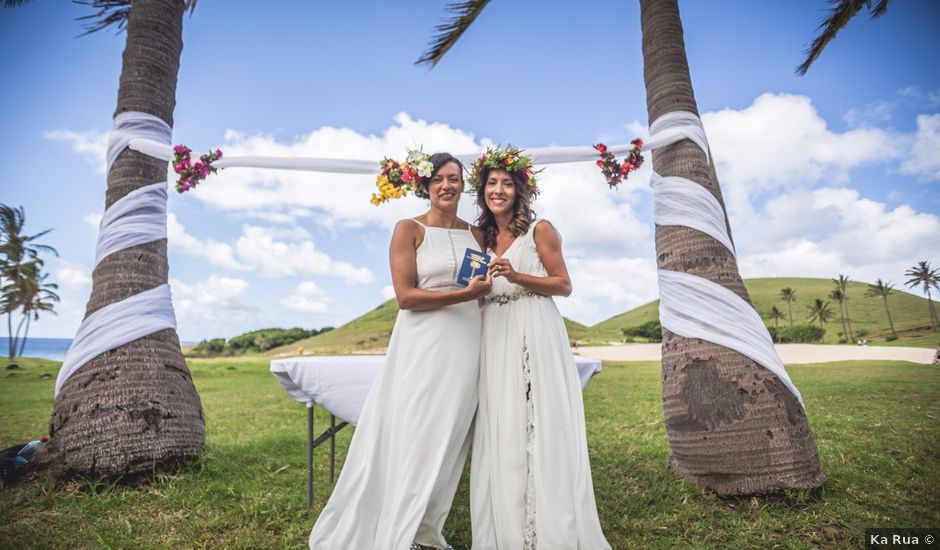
[(38, 296), (788, 295), (921, 275), (734, 428), (842, 283), (883, 289), (19, 259), (775, 314), (842, 12), (134, 407), (820, 311), (838, 296)]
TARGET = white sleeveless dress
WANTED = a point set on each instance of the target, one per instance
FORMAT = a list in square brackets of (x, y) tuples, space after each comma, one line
[(530, 480), (409, 449)]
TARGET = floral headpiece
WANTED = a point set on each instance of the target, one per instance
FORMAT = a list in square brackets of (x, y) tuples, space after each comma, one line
[(398, 178), (507, 158)]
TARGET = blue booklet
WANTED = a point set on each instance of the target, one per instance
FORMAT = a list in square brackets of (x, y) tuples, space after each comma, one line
[(474, 263)]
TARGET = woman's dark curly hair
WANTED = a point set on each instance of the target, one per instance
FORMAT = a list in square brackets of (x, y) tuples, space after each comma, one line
[(522, 216), (438, 160)]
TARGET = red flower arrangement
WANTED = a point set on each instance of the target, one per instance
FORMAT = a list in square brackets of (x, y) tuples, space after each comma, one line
[(190, 174), (615, 171)]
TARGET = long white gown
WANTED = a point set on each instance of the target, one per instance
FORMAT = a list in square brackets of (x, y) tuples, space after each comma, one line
[(530, 477), (409, 449)]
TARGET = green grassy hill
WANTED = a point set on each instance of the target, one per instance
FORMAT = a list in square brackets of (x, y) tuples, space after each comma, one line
[(369, 333), (910, 314)]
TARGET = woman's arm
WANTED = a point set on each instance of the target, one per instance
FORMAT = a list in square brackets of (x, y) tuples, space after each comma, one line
[(402, 258), (548, 246)]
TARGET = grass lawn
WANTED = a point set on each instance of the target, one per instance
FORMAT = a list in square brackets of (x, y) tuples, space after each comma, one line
[(877, 426)]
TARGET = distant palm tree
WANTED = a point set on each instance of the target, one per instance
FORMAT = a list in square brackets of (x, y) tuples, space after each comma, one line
[(776, 315), (38, 296), (842, 12), (923, 276), (820, 311), (788, 295), (703, 435), (20, 262), (842, 283), (837, 296), (883, 289)]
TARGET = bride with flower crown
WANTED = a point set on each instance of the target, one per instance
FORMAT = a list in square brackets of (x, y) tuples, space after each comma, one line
[(530, 480), (409, 448)]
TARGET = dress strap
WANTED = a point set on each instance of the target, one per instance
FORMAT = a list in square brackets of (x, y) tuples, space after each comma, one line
[(419, 223)]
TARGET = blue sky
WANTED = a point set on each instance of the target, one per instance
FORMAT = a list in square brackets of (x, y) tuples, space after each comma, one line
[(835, 172)]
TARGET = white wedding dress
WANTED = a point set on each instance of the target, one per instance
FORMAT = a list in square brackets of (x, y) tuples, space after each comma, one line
[(409, 449), (530, 480)]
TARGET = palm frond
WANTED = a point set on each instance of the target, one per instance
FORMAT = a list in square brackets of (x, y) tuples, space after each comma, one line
[(15, 3), (111, 12), (462, 16), (841, 13)]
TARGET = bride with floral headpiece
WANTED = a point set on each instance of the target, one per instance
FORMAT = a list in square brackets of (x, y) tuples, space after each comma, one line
[(406, 456), (530, 481)]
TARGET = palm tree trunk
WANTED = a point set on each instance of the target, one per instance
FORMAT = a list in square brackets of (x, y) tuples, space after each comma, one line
[(18, 343), (11, 342), (888, 311), (933, 312), (134, 407), (734, 428), (848, 321), (25, 334), (790, 311), (845, 330)]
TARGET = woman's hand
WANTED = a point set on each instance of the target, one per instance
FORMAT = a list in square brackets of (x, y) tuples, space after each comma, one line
[(501, 267), (480, 286)]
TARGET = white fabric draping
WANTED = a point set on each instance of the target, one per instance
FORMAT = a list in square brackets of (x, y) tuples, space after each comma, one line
[(695, 307), (679, 201), (117, 324), (692, 306), (539, 155), (340, 384), (142, 132), (137, 218)]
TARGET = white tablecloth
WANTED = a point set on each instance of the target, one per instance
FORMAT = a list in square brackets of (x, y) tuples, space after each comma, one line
[(340, 384)]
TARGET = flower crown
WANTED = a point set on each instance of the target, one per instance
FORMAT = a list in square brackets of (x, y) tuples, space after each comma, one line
[(507, 158), (398, 178)]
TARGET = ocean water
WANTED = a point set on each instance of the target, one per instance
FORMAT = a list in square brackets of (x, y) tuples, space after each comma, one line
[(45, 348)]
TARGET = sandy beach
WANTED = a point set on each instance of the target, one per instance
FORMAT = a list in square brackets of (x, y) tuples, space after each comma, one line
[(792, 354)]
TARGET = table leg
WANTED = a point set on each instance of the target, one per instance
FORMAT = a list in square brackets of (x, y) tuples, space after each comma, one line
[(309, 455), (332, 446)]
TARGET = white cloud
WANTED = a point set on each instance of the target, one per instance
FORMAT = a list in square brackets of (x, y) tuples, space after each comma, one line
[(258, 248), (923, 159), (780, 142), (876, 112), (333, 199), (219, 254), (92, 145), (72, 277), (606, 286), (388, 292), (93, 219), (307, 298), (213, 306)]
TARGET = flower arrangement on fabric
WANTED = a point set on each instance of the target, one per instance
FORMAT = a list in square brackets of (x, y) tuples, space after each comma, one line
[(507, 158), (615, 171), (190, 173), (398, 178)]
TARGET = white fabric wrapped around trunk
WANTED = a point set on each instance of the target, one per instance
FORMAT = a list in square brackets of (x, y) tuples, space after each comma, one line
[(137, 218), (117, 324), (695, 307), (692, 306)]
